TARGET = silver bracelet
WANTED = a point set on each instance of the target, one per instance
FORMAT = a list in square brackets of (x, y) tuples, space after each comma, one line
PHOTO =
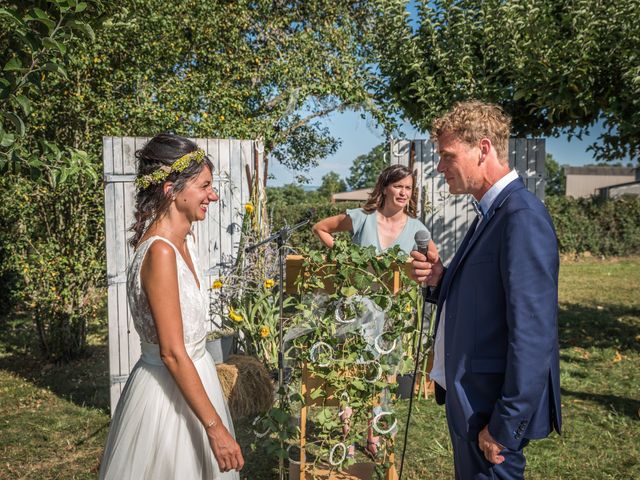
[(212, 423)]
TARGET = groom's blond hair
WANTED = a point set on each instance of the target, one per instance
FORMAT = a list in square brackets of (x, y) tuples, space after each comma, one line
[(472, 121)]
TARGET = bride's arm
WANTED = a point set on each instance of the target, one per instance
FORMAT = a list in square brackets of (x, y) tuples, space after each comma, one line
[(159, 278)]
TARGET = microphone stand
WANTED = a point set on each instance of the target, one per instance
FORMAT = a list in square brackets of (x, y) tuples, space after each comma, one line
[(281, 237), (423, 320)]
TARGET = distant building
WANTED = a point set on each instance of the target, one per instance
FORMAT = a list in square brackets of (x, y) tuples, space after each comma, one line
[(354, 196), (613, 191), (588, 181)]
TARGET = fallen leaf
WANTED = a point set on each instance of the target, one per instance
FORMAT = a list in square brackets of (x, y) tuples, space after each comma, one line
[(617, 357)]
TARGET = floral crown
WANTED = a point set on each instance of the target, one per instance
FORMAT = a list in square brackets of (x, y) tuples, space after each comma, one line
[(163, 172)]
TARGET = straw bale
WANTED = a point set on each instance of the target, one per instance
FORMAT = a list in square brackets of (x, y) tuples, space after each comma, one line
[(246, 384)]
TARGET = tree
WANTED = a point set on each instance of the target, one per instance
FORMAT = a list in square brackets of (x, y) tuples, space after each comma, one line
[(554, 177), (245, 69), (35, 38), (290, 194), (554, 66), (366, 168), (331, 183)]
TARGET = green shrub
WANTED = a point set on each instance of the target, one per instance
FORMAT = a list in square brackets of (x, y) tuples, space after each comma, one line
[(282, 214), (52, 251), (601, 227)]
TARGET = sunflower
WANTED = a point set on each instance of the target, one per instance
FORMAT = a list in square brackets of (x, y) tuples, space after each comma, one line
[(235, 316), (264, 331)]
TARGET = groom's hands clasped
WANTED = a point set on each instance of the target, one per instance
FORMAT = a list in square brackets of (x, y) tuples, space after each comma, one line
[(427, 269)]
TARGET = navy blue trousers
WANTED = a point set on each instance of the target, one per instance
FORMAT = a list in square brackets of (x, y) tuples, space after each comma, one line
[(470, 463)]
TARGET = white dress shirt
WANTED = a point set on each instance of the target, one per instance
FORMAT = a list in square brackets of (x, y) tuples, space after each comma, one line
[(437, 373)]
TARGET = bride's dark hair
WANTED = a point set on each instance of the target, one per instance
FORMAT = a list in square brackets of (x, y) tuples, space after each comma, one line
[(151, 202)]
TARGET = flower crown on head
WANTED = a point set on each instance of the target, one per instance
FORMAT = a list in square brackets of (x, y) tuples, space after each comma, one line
[(163, 172)]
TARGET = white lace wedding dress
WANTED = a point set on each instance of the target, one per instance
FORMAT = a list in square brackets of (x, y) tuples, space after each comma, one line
[(154, 434)]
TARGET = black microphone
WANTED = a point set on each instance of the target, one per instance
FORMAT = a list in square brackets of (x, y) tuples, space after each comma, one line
[(422, 238)]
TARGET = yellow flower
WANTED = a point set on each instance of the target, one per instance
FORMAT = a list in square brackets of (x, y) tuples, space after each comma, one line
[(264, 331), (269, 283), (217, 284), (248, 208), (233, 315), (408, 308)]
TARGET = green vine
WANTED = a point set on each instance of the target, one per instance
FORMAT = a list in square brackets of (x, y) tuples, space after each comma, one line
[(346, 359)]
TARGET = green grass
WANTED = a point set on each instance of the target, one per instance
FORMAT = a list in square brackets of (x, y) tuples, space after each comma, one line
[(54, 418)]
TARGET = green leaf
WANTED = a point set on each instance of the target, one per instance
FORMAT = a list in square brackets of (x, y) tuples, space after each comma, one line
[(83, 28), (13, 65), (42, 17), (12, 15), (17, 122), (7, 139), (41, 14), (51, 43), (348, 291), (81, 7), (519, 94), (24, 104), (57, 68)]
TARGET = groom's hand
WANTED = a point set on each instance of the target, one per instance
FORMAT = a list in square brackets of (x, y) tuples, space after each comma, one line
[(427, 268), (490, 447)]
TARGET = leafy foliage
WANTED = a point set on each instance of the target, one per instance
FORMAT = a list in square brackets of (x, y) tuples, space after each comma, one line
[(35, 38), (331, 183), (330, 346), (366, 168), (241, 69), (289, 214), (554, 177), (600, 227), (554, 66), (51, 262)]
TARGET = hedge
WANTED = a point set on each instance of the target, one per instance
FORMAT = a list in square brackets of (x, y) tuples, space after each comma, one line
[(601, 227)]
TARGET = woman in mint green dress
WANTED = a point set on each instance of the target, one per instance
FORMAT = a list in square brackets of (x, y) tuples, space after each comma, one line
[(388, 218)]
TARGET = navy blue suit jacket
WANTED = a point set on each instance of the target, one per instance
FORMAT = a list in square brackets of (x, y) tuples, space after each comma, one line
[(501, 334)]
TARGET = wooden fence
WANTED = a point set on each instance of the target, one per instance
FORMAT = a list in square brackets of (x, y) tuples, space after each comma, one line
[(447, 216), (235, 163)]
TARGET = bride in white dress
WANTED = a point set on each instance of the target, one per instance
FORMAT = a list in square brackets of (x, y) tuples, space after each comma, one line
[(172, 421)]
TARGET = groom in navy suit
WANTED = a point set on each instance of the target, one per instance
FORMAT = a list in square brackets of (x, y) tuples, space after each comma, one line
[(496, 361)]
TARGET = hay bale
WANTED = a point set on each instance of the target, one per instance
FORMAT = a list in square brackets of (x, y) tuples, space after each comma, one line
[(246, 384)]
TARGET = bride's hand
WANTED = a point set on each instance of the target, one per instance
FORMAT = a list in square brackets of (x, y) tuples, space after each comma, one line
[(225, 448)]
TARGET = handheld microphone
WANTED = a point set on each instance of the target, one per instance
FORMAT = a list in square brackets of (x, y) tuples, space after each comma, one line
[(422, 238)]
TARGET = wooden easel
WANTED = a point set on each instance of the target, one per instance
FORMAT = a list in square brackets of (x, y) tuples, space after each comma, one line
[(294, 268)]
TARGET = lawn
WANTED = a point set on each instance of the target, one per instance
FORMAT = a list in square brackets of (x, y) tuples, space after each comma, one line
[(54, 418)]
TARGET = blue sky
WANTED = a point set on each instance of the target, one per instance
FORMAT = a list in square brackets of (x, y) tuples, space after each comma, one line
[(359, 136)]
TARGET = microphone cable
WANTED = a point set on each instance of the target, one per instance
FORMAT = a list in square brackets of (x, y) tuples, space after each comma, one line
[(413, 382)]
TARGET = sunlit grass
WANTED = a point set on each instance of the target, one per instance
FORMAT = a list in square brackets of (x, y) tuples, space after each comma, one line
[(53, 418)]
